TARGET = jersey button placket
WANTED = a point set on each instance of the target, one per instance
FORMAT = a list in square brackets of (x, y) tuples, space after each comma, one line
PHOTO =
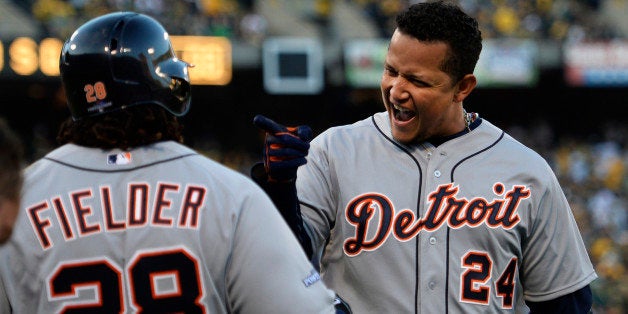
[(437, 172), (433, 277)]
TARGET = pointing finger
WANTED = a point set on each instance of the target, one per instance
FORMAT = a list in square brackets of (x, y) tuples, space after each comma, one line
[(268, 125)]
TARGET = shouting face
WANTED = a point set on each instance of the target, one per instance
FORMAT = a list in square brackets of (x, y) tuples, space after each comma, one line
[(421, 99)]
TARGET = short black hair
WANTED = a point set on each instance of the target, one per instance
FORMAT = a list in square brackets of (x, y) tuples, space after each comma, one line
[(440, 21)]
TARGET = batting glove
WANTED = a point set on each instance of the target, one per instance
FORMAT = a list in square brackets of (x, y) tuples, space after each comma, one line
[(285, 148)]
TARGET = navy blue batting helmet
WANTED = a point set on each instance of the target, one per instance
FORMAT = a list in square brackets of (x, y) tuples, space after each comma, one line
[(119, 60)]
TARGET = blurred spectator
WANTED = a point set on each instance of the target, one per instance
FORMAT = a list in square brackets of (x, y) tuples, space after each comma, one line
[(253, 28), (11, 163), (56, 15)]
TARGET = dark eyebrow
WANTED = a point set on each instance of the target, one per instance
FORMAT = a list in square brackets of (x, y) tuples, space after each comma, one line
[(408, 76), (388, 66), (414, 78)]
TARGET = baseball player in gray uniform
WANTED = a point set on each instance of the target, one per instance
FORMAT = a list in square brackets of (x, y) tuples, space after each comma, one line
[(123, 218), (426, 208)]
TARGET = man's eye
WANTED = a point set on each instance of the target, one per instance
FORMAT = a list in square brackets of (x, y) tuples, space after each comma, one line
[(391, 71), (417, 82)]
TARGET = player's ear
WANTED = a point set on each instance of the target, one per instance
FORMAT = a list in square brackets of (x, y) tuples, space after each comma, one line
[(464, 87)]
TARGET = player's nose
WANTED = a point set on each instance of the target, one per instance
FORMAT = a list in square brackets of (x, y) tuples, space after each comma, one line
[(398, 90)]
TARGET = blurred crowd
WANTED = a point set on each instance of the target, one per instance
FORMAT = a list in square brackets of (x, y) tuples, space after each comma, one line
[(559, 20), (228, 18), (594, 175)]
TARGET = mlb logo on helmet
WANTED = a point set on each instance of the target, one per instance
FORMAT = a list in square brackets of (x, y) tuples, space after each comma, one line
[(119, 159)]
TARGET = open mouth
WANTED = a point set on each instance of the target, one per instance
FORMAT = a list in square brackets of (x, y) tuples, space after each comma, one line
[(402, 114)]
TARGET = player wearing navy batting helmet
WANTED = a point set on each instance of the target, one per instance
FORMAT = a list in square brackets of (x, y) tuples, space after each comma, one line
[(426, 208), (124, 218)]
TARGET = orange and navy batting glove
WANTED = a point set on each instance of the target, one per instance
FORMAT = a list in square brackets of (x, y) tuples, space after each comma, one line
[(285, 148)]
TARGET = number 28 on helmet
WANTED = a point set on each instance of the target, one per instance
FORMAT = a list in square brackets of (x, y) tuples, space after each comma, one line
[(119, 60)]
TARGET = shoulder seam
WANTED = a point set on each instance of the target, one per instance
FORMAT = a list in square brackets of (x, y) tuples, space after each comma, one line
[(501, 136), (118, 170)]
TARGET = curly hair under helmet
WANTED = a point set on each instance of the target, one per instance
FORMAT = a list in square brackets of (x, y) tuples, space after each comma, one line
[(132, 127)]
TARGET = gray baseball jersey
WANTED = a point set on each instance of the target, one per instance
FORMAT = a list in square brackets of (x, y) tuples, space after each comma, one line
[(157, 229), (477, 224)]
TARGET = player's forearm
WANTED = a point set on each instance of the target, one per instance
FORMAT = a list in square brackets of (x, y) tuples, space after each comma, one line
[(284, 196)]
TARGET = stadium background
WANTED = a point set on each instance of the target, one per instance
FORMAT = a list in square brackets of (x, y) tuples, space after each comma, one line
[(567, 102)]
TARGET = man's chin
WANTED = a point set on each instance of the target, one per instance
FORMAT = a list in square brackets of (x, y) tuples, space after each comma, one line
[(402, 137), (403, 132)]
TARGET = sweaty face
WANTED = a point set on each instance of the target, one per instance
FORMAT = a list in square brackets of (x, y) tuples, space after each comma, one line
[(420, 98)]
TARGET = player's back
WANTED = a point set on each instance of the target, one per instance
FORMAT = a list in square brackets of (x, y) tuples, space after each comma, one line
[(157, 229)]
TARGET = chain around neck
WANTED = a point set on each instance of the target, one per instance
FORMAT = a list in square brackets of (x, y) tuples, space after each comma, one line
[(467, 119)]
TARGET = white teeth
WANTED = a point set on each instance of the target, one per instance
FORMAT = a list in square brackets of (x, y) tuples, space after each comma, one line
[(400, 108)]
